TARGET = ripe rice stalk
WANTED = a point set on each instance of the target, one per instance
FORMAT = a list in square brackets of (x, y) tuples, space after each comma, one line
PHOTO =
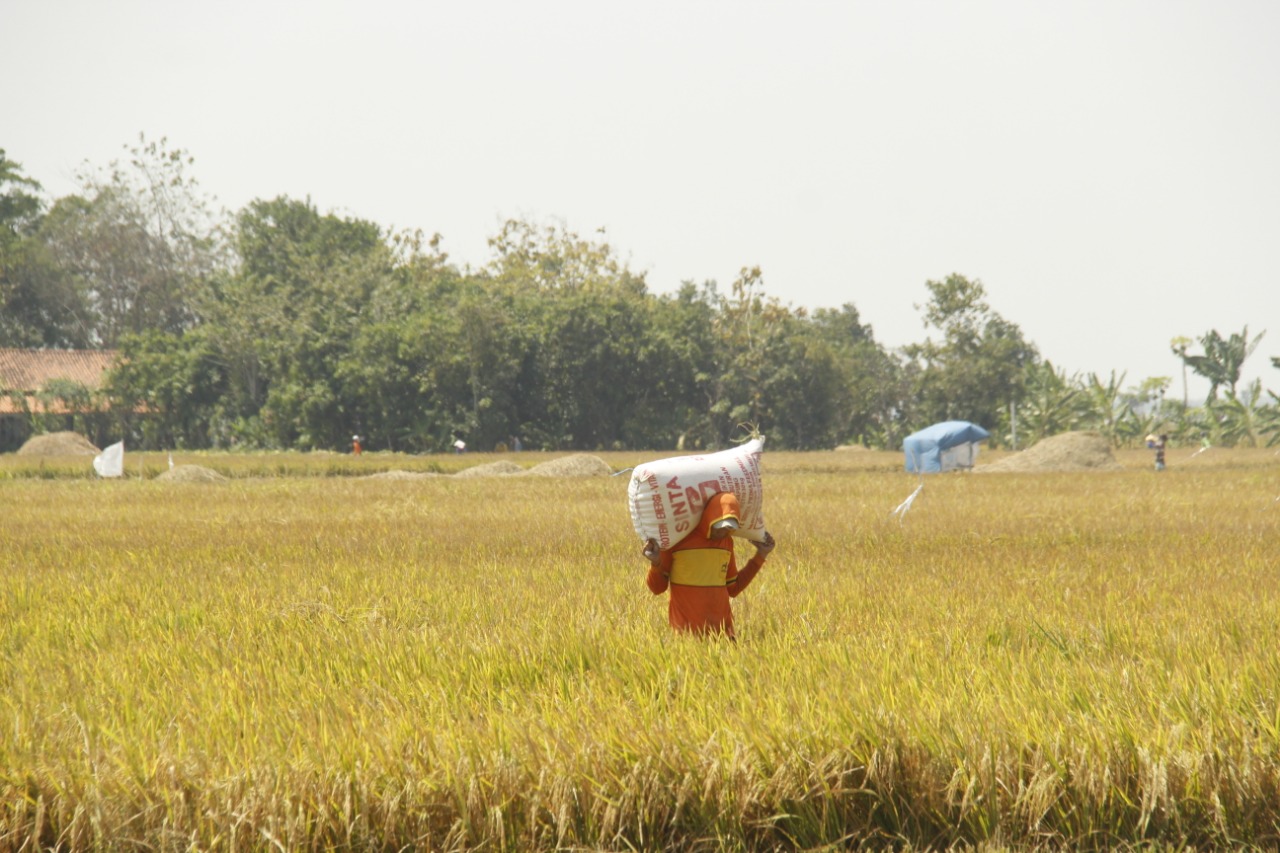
[(451, 663)]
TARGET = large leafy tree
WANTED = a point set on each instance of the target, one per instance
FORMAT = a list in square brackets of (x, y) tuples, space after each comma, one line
[(19, 208), (40, 304), (296, 303), (141, 239), (805, 393), (772, 368), (389, 371), (261, 349), (174, 381), (978, 367), (281, 318), (745, 329), (475, 348), (589, 366), (583, 351), (667, 409), (873, 386)]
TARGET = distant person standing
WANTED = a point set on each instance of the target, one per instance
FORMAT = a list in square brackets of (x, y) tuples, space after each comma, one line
[(459, 446), (356, 449), (1160, 443)]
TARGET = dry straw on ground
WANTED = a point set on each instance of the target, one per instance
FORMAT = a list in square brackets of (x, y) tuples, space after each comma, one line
[(501, 468), (58, 444), (577, 465), (398, 474), (1070, 451), (192, 474)]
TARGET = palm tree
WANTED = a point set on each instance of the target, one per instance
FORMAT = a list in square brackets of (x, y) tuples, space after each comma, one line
[(1179, 346)]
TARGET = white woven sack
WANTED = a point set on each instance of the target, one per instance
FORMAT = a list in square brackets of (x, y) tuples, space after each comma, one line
[(110, 462), (667, 496)]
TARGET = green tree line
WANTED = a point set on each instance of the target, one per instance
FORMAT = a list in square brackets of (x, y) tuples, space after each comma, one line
[(280, 326)]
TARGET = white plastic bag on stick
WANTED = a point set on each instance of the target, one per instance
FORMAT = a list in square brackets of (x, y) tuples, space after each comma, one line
[(110, 462), (667, 496)]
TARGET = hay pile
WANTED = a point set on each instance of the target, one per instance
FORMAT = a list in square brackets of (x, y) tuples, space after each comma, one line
[(501, 468), (1070, 451), (578, 465), (58, 444), (192, 474)]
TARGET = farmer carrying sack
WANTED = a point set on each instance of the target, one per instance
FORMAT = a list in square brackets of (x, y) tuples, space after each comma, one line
[(667, 496)]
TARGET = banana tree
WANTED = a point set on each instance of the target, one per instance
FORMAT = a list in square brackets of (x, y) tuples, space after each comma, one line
[(1222, 358), (1054, 401), (1106, 405), (1270, 419), (1243, 419)]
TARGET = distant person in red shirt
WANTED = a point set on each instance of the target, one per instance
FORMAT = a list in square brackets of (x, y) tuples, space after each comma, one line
[(701, 571), (356, 449)]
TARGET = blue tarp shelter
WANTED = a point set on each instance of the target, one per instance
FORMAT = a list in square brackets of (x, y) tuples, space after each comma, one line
[(943, 447)]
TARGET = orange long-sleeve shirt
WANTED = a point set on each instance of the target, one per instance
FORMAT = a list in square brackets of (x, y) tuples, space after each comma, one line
[(709, 573)]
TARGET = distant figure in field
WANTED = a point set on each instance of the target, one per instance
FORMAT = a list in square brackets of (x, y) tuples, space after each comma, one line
[(459, 446), (1160, 443), (701, 570), (356, 449)]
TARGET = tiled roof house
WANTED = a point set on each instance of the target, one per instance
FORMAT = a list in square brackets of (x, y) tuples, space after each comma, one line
[(25, 372)]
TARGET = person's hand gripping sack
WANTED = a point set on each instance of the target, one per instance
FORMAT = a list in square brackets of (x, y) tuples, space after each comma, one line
[(764, 548), (651, 551)]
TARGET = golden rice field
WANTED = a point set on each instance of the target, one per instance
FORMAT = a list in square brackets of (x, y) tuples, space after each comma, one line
[(296, 662)]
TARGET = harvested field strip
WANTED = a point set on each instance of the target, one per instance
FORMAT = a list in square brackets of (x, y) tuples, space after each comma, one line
[(1067, 658), (152, 465)]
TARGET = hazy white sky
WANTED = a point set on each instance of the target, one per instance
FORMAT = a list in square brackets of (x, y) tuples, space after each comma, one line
[(1109, 170)]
